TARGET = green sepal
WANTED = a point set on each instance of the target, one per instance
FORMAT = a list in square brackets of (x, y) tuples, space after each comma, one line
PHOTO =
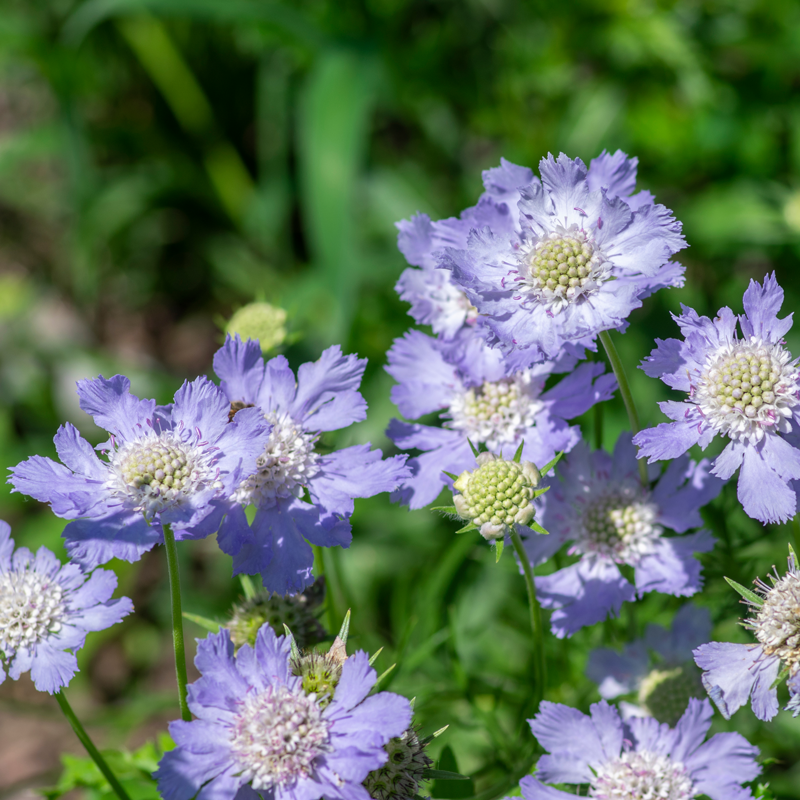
[(550, 464), (443, 775), (374, 657), (450, 475), (499, 547), (534, 525), (203, 622), (445, 509), (344, 631), (293, 643), (752, 597), (518, 455), (782, 676), (471, 527), (474, 449)]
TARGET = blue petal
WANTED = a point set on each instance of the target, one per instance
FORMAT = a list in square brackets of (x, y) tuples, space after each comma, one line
[(114, 408)]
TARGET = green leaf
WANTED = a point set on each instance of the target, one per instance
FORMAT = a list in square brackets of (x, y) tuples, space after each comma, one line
[(539, 492), (445, 509), (550, 464), (450, 475), (382, 676), (444, 775), (471, 527), (499, 547), (203, 622), (293, 643), (534, 525), (374, 656), (518, 455), (752, 597), (782, 676), (344, 631), (248, 587), (474, 449), (448, 786)]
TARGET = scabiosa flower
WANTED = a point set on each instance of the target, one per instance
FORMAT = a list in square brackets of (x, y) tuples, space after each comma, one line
[(480, 402), (734, 673), (601, 507), (325, 397), (638, 759), (658, 668), (400, 777), (172, 465), (256, 728), (747, 389), (575, 261), (46, 610), (435, 299)]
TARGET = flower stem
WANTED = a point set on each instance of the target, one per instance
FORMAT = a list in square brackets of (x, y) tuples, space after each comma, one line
[(177, 620), (627, 397), (80, 732), (540, 666), (796, 534)]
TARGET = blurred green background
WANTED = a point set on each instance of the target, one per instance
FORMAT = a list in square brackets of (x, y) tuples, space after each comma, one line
[(164, 162)]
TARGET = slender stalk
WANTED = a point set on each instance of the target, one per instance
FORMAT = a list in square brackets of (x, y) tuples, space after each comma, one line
[(80, 732), (540, 666), (598, 426), (627, 396), (796, 534), (177, 620)]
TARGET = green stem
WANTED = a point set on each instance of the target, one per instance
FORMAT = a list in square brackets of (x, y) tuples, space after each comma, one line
[(796, 534), (80, 732), (627, 396), (540, 666), (598, 426), (177, 620)]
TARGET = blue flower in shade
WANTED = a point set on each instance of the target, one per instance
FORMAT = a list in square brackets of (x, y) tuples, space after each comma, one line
[(575, 260), (46, 610), (734, 673), (258, 734), (640, 758), (480, 402), (172, 465), (747, 389), (325, 397), (658, 668), (435, 299), (601, 507)]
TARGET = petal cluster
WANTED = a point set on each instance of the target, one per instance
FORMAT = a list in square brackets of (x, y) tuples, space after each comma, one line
[(301, 495), (610, 519), (46, 610), (257, 729)]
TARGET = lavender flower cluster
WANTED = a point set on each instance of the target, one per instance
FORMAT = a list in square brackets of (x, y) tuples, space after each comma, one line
[(517, 292)]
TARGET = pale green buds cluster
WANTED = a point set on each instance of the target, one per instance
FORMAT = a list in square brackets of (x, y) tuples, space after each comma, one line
[(261, 321), (665, 693), (497, 494), (297, 612), (399, 778)]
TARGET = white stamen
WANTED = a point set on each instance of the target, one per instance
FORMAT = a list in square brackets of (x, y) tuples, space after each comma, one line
[(31, 607), (285, 466), (497, 412), (747, 388), (642, 776), (277, 735)]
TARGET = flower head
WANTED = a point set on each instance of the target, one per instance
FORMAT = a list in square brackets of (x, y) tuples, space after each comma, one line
[(575, 258), (301, 494), (496, 494), (744, 388), (734, 673), (658, 668), (639, 759), (257, 727), (46, 610), (611, 519), (400, 777), (172, 465), (482, 402)]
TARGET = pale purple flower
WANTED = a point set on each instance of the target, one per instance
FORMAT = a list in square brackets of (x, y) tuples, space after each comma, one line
[(658, 668), (480, 402), (258, 734), (574, 259), (736, 673), (611, 519), (435, 298), (745, 388), (174, 465), (640, 758), (301, 495), (46, 610)]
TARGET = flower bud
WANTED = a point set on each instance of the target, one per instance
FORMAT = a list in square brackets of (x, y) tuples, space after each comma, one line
[(259, 321)]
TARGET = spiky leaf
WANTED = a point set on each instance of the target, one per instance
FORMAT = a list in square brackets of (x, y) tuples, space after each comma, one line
[(751, 597)]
